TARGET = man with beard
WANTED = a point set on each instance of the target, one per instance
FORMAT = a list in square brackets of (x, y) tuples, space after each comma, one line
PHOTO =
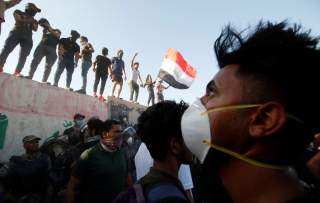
[(21, 34), (254, 116)]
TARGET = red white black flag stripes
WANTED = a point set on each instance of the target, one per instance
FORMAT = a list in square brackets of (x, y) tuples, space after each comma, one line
[(176, 71)]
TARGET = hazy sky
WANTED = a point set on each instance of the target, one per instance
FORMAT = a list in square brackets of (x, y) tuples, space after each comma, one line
[(150, 27)]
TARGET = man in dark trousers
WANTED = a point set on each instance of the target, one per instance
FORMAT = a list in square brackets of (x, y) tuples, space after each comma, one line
[(101, 66), (69, 56), (20, 34), (46, 48)]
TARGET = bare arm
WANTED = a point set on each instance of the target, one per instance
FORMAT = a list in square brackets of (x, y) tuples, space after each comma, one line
[(52, 31), (140, 79), (132, 61), (124, 72), (60, 51), (19, 18), (12, 3), (77, 57), (70, 191)]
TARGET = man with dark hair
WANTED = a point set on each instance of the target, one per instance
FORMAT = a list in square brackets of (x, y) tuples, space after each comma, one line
[(159, 128), (254, 118), (21, 34), (86, 55), (101, 66), (133, 84), (75, 134), (117, 70), (68, 52), (102, 170), (28, 174), (46, 48)]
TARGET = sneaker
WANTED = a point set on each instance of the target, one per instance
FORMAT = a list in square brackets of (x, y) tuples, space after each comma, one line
[(81, 91), (95, 95), (56, 85), (1, 70), (101, 98), (70, 89), (28, 77), (47, 83)]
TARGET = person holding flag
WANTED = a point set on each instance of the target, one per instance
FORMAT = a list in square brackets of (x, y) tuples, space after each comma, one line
[(160, 88)]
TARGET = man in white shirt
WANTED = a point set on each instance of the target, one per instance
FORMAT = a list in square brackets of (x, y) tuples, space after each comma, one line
[(133, 84)]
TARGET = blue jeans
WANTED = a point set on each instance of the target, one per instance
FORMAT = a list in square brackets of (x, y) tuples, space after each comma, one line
[(64, 64), (85, 66)]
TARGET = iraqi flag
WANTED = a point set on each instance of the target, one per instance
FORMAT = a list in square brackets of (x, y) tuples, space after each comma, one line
[(176, 71)]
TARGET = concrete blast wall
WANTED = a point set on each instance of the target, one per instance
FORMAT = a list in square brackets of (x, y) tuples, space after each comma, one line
[(28, 107)]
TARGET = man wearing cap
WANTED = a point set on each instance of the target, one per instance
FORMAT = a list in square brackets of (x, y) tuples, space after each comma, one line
[(46, 48), (5, 5), (69, 54), (28, 173), (21, 34), (75, 134)]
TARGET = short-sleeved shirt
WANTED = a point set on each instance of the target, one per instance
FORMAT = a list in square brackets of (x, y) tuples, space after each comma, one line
[(102, 174), (102, 64), (48, 39), (117, 66), (86, 53), (70, 48), (22, 28), (135, 75)]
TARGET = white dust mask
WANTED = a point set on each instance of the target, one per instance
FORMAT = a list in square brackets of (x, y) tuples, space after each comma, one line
[(195, 127)]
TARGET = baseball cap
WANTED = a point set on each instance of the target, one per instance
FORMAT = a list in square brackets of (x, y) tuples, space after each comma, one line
[(78, 115), (29, 138)]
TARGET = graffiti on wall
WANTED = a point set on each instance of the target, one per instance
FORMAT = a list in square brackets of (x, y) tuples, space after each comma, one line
[(4, 122)]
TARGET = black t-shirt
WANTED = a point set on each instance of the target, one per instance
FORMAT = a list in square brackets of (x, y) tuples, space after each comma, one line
[(49, 39), (70, 48), (102, 64)]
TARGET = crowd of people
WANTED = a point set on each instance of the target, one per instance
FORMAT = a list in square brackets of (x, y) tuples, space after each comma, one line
[(68, 56), (253, 137)]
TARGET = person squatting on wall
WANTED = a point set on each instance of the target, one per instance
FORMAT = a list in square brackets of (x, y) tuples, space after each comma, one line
[(46, 48), (68, 53), (20, 34)]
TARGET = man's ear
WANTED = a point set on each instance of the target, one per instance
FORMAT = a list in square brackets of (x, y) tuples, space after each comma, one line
[(175, 146), (267, 120)]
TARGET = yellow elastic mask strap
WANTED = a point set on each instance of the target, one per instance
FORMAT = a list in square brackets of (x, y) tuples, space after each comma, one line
[(244, 158), (246, 106), (231, 107)]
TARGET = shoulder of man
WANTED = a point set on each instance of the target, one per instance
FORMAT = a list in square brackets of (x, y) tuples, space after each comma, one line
[(19, 12), (87, 153)]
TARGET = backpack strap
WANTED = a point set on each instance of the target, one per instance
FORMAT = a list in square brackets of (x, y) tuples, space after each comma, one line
[(164, 191)]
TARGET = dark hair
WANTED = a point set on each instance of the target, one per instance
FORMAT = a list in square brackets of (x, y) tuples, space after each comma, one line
[(105, 51), (280, 63), (159, 124), (75, 34), (136, 63), (84, 38), (107, 125), (95, 123)]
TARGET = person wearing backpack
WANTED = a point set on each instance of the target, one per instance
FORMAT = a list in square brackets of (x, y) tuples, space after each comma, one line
[(159, 128)]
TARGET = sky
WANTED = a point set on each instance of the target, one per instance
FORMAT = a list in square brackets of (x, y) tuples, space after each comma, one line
[(151, 27)]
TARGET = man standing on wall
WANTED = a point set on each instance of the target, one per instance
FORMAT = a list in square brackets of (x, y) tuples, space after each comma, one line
[(101, 66), (117, 70), (21, 34), (46, 48), (68, 57), (86, 55), (134, 87)]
